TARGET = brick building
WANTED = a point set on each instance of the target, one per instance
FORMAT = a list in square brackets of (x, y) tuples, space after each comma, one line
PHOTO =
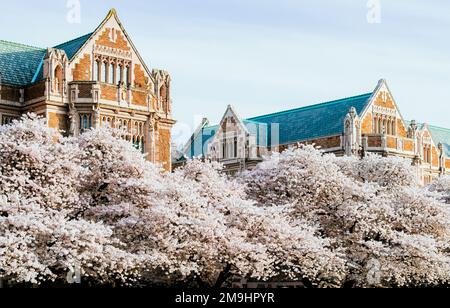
[(357, 125), (97, 79)]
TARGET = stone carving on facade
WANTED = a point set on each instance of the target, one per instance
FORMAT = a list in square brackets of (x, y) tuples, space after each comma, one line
[(352, 133), (74, 119), (96, 116)]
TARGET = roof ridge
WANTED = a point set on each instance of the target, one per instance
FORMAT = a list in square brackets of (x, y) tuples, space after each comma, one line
[(439, 127), (310, 106), (73, 40), (21, 45)]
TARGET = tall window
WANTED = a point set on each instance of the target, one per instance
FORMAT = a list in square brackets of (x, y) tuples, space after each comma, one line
[(235, 147), (127, 75), (224, 149), (111, 73), (104, 73), (96, 70), (85, 121), (119, 73)]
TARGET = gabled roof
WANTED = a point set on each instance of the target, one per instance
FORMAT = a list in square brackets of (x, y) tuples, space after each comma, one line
[(441, 135), (19, 63), (197, 145), (301, 124), (22, 65), (438, 134), (316, 121), (72, 47)]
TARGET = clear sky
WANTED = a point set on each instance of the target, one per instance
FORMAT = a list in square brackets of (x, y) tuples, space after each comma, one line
[(264, 56)]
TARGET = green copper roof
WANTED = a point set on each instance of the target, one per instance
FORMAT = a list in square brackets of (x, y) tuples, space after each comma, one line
[(441, 135), (198, 146), (19, 63), (322, 120), (22, 65), (316, 121), (72, 47)]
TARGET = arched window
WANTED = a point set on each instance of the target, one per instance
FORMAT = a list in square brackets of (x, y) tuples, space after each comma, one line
[(393, 128), (112, 71), (388, 128), (380, 126), (235, 147), (58, 79)]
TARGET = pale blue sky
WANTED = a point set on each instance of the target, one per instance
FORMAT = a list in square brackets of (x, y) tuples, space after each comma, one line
[(268, 55)]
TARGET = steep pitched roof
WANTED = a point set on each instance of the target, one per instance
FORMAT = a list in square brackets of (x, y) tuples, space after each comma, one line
[(301, 124), (316, 121), (71, 47), (19, 63), (22, 65), (441, 135)]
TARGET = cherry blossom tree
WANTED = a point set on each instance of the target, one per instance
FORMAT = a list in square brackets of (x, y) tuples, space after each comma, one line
[(392, 234), (442, 188), (195, 225)]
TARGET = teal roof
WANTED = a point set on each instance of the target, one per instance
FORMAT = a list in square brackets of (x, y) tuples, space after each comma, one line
[(22, 65), (316, 121), (441, 135), (306, 123), (19, 63), (72, 47), (198, 145)]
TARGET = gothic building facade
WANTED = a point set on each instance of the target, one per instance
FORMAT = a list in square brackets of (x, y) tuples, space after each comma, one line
[(368, 123), (97, 79)]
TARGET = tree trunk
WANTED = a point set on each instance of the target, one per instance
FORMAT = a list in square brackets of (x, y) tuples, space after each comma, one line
[(223, 277)]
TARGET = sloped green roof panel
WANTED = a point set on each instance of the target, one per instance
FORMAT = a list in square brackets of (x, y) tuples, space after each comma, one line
[(72, 47), (316, 121), (260, 130), (441, 135), (322, 120), (19, 63), (199, 144)]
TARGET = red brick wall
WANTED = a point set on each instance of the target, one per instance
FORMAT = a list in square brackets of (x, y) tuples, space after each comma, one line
[(140, 80), (408, 145), (435, 156), (108, 92), (120, 43), (389, 103), (164, 148), (391, 142), (82, 70), (367, 124), (57, 121), (401, 129), (139, 98)]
